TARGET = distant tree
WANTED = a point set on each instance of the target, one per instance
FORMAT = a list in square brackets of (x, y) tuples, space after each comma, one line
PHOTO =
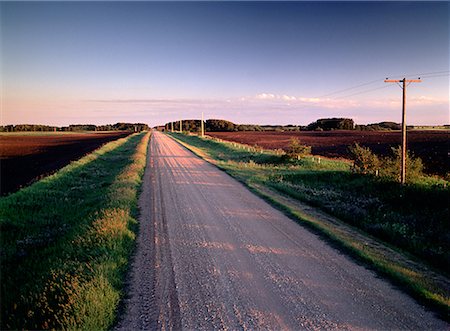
[(220, 125), (28, 128), (189, 125), (327, 124), (76, 127), (248, 127), (82, 127), (378, 126), (390, 125)]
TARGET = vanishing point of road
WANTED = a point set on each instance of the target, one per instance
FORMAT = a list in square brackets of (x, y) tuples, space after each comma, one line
[(212, 255)]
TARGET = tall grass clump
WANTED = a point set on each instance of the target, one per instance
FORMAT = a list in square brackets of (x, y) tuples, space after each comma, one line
[(66, 241)]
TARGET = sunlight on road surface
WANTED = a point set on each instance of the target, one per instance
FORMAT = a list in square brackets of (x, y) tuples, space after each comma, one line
[(267, 318), (272, 250)]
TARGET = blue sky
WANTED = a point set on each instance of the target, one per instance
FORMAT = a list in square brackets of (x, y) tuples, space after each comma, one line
[(248, 62)]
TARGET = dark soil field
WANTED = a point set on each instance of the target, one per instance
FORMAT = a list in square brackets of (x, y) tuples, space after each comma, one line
[(431, 146), (29, 157)]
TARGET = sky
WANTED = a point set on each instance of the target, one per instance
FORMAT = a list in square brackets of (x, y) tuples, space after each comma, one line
[(248, 62)]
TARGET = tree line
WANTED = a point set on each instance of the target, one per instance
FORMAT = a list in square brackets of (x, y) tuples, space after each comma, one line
[(324, 124), (136, 127), (217, 125)]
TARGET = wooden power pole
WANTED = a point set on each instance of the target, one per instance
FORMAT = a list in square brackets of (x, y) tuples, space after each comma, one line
[(181, 126), (203, 127), (404, 81), (171, 126)]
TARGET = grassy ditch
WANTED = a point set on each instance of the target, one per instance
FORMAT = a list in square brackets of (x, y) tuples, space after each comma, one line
[(66, 241), (412, 219)]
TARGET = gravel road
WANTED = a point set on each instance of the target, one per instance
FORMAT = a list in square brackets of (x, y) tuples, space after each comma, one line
[(212, 255)]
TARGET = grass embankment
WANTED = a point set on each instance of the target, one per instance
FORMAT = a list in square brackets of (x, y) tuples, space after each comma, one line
[(66, 241), (411, 220)]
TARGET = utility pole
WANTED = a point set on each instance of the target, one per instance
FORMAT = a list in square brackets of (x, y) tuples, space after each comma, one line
[(404, 81), (203, 127), (181, 126), (171, 126)]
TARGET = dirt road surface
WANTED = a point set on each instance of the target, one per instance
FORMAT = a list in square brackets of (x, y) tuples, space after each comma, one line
[(212, 255)]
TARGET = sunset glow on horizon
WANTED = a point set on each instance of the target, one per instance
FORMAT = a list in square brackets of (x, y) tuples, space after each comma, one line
[(247, 62)]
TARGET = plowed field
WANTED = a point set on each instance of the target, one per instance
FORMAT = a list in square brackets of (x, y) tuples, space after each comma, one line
[(431, 146), (28, 157)]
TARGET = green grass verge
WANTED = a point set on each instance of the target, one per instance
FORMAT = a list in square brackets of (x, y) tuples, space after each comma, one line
[(66, 241), (412, 221)]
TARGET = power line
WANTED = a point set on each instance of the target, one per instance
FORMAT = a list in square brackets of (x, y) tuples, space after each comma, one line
[(426, 73), (432, 74), (361, 92), (349, 88), (382, 87), (422, 74)]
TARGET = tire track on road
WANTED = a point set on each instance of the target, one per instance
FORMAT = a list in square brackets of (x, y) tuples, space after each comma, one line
[(151, 302)]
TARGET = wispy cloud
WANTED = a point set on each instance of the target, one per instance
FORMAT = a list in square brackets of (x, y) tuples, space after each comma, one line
[(264, 107), (156, 101), (302, 101), (426, 100), (265, 100), (284, 97)]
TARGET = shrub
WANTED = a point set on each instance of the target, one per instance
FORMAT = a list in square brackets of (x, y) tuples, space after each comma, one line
[(297, 150), (391, 166), (365, 161)]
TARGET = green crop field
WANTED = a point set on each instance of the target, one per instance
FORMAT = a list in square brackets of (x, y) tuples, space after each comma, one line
[(66, 241), (411, 218)]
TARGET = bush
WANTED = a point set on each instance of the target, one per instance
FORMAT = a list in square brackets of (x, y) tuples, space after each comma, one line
[(365, 161), (391, 166), (297, 150)]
